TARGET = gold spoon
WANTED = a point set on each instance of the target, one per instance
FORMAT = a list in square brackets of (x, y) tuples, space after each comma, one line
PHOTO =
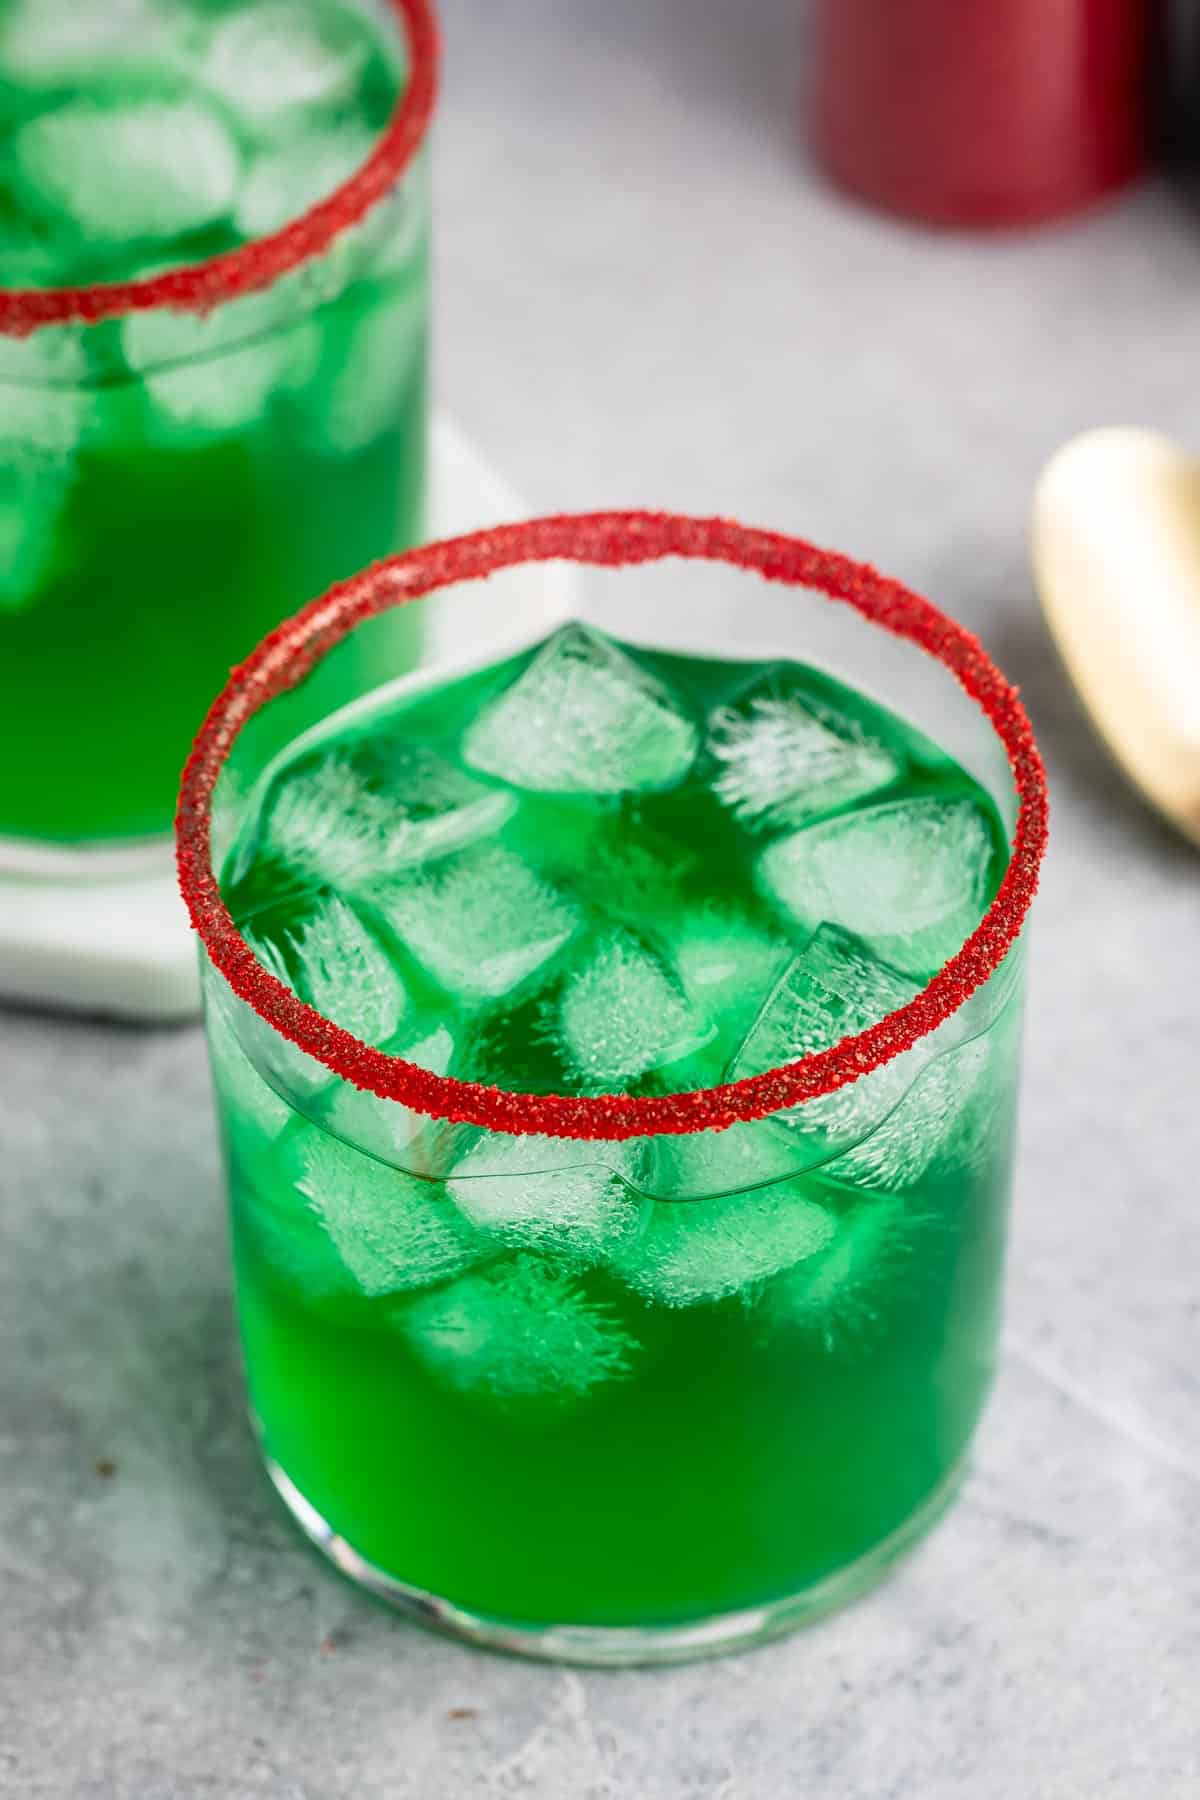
[(1116, 557)]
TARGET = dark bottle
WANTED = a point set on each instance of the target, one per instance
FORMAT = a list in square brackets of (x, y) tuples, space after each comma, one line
[(1180, 83)]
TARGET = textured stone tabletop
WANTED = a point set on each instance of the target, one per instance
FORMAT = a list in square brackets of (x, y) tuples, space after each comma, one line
[(645, 297)]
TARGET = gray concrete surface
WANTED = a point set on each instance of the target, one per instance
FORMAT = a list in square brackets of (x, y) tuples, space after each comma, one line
[(646, 297)]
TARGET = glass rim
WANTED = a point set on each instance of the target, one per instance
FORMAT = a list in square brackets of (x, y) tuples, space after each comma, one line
[(199, 286), (606, 540)]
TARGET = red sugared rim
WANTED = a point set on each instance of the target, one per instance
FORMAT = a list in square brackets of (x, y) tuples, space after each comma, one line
[(196, 287), (608, 540)]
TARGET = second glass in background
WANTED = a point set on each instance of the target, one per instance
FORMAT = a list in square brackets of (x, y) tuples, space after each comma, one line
[(174, 480)]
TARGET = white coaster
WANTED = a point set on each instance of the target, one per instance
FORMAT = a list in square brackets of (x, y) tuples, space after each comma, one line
[(104, 932)]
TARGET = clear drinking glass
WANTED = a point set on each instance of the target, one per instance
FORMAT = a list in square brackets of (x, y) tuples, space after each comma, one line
[(614, 1376), (185, 456)]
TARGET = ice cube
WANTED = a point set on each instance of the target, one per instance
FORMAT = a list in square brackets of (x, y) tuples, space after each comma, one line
[(908, 877), (521, 1330), (839, 1297), (703, 1165), (583, 718), (393, 1231), (356, 815), (694, 1252), (393, 1132), (482, 923), (41, 429), (286, 1237), (949, 1116), (548, 1193), (232, 390), (782, 760), (61, 46), (216, 372), (832, 990), (163, 337), (372, 379), (273, 63), (622, 1013), (344, 972), (33, 502), (281, 182), (727, 963), (42, 426), (116, 174), (433, 1050)]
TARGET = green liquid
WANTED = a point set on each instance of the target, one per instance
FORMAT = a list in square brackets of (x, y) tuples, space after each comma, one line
[(738, 1467), (171, 562), (688, 1450)]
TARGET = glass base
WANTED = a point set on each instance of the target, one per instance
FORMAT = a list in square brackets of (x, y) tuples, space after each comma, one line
[(616, 1646), (101, 932)]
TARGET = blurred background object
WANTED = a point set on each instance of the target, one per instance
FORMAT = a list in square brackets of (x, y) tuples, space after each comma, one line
[(1179, 92), (998, 114), (1116, 554)]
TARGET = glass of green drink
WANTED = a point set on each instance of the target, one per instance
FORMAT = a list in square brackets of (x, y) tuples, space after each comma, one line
[(616, 1044), (213, 316)]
